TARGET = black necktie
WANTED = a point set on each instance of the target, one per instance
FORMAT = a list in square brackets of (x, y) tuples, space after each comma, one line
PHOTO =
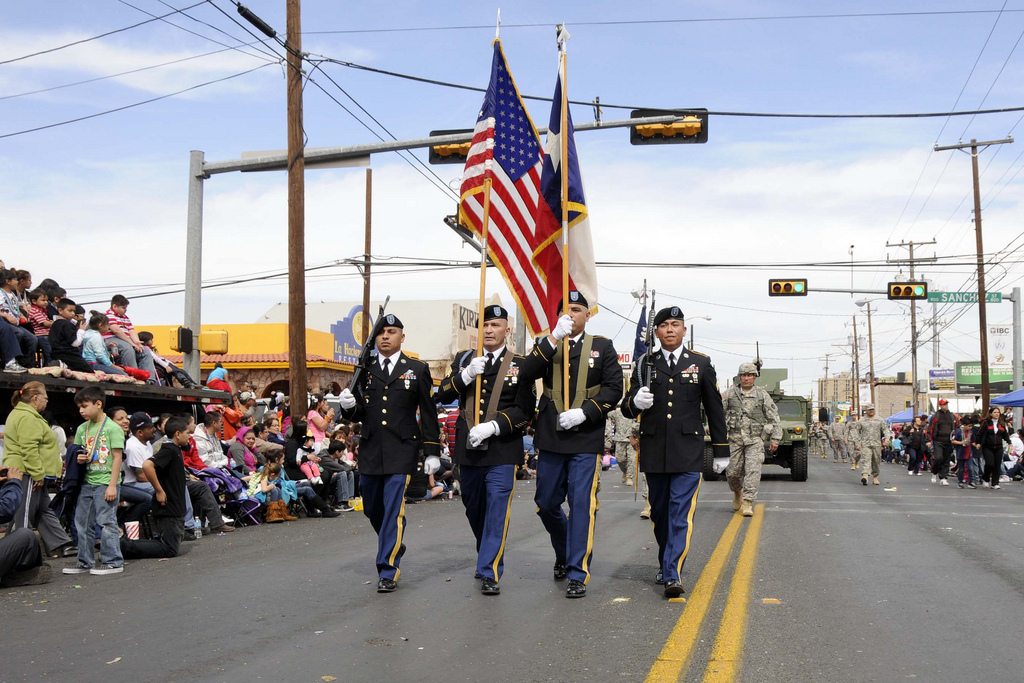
[(387, 367), (671, 363), (490, 362)]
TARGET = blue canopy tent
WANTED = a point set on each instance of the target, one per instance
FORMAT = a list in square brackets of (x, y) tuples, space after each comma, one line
[(1014, 399), (905, 416)]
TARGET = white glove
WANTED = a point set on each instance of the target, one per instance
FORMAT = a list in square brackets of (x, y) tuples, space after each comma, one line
[(480, 433), (347, 400), (644, 399), (562, 328), (431, 465), (571, 418), (475, 367)]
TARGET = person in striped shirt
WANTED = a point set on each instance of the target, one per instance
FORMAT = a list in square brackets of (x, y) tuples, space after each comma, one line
[(131, 352)]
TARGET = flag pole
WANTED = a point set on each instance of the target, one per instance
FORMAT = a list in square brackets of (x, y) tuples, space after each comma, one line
[(483, 292), (563, 36)]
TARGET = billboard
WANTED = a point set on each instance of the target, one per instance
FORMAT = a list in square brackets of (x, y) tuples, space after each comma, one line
[(1000, 346), (968, 379), (941, 380)]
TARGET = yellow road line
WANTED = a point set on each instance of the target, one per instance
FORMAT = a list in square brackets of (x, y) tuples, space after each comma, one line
[(671, 663), (727, 652)]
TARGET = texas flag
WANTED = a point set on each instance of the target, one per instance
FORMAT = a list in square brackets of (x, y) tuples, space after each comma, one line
[(547, 255)]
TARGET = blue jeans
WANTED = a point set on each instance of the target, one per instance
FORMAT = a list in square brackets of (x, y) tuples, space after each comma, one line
[(344, 486), (92, 509), (26, 341), (913, 460), (109, 369), (44, 343)]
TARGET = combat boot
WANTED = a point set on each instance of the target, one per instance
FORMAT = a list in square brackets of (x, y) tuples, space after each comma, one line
[(875, 481), (747, 509), (736, 500), (864, 479), (646, 512), (853, 465)]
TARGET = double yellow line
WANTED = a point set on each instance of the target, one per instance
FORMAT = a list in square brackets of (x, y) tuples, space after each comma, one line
[(727, 651)]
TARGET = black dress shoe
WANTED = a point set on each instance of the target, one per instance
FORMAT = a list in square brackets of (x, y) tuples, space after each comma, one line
[(386, 586), (559, 572), (575, 589), (673, 589), (489, 587), (659, 579), (478, 576)]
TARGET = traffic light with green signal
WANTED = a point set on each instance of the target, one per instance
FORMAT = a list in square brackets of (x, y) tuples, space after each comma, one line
[(905, 291), (796, 287)]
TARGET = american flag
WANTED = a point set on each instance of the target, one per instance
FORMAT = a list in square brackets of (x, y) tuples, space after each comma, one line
[(506, 148)]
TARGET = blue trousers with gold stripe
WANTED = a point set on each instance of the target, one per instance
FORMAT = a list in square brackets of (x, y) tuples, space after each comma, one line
[(487, 494), (574, 477), (384, 506), (673, 499)]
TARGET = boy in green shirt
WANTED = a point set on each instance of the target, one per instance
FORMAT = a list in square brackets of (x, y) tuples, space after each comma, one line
[(102, 441)]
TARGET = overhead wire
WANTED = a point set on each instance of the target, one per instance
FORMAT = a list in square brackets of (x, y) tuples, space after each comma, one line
[(646, 22), (97, 37)]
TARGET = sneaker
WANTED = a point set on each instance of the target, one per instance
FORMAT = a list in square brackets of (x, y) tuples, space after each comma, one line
[(985, 484), (971, 486), (944, 482), (105, 569), (960, 485), (920, 474), (996, 487), (1004, 478), (934, 479), (14, 366), (910, 472), (77, 569)]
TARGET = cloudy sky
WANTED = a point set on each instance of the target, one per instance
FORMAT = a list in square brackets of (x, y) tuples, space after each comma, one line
[(100, 204)]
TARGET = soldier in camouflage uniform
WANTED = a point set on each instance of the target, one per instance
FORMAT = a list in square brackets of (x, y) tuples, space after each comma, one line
[(818, 440), (618, 432), (852, 439), (751, 417), (872, 433), (837, 435)]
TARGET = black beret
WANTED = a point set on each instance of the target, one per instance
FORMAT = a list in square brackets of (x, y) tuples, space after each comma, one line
[(495, 312), (392, 320), (574, 298), (670, 313)]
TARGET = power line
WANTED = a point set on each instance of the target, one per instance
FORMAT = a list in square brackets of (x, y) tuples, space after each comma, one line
[(646, 22), (263, 53), (102, 35), (133, 105), (122, 73), (471, 88)]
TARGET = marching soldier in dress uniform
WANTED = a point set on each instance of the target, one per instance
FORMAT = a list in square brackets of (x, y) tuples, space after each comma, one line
[(570, 438), (489, 439), (752, 418), (392, 390), (672, 438)]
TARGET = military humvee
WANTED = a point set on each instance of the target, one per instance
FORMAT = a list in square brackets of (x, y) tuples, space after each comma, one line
[(795, 414)]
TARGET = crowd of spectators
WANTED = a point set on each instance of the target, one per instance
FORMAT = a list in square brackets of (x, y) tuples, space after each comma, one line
[(43, 328)]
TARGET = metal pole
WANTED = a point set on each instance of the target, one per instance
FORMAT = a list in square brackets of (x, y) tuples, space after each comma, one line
[(691, 336), (1017, 412), (856, 370), (366, 259), (982, 308), (871, 355), (194, 260), (936, 358), (297, 384), (913, 341)]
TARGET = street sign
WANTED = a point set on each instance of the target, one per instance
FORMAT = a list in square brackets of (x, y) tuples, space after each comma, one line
[(968, 379), (963, 297)]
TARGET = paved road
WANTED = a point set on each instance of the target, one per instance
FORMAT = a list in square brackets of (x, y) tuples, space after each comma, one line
[(919, 584)]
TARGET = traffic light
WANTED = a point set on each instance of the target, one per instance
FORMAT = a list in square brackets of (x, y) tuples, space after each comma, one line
[(449, 154), (902, 291), (787, 287), (693, 128)]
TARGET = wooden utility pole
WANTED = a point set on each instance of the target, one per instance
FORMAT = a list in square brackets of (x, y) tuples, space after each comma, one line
[(366, 261), (856, 370), (974, 146), (297, 386)]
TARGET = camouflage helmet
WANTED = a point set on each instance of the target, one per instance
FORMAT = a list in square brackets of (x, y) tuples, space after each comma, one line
[(748, 369)]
